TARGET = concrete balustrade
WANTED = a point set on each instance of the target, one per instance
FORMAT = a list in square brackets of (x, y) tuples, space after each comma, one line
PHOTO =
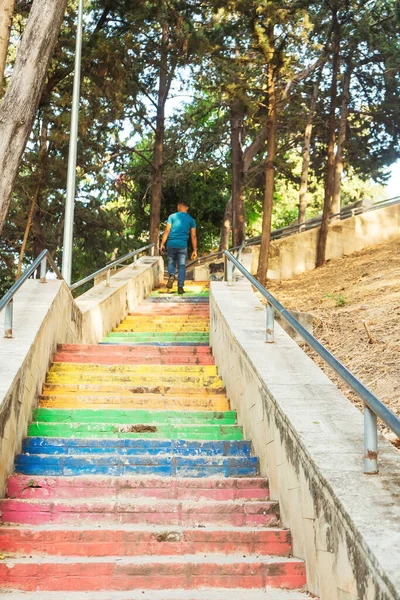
[(309, 439), (46, 315), (295, 254)]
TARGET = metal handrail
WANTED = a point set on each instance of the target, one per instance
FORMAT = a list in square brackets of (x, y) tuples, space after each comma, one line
[(276, 234), (373, 407), (111, 265), (7, 301)]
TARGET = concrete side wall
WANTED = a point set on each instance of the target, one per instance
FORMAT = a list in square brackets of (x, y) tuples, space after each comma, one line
[(297, 253), (309, 438), (46, 315)]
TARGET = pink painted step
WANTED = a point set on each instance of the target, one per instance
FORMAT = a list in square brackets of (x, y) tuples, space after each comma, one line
[(136, 359), (39, 487), (148, 572), (140, 511), (143, 542), (177, 594)]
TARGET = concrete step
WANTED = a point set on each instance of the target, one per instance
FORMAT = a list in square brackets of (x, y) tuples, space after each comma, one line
[(135, 541), (165, 318), (136, 379), (194, 489), (126, 387), (161, 344), (191, 449), (165, 513), (176, 594), (175, 299), (141, 369), (156, 328), (124, 400), (185, 431), (136, 359), (188, 338), (166, 464), (148, 572), (143, 351), (132, 417), (171, 309)]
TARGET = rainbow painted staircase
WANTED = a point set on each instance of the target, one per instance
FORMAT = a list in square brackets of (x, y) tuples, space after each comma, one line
[(135, 481)]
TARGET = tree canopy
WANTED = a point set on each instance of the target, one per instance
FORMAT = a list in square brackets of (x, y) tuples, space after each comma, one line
[(209, 102)]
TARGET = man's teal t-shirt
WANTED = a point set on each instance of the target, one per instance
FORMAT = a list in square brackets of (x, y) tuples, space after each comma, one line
[(181, 224)]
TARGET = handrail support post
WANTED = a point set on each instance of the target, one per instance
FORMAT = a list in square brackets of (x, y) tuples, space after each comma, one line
[(229, 272), (135, 259), (370, 442), (152, 251), (8, 319), (43, 269), (108, 278), (270, 323)]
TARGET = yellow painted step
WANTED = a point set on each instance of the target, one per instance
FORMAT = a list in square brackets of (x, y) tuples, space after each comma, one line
[(137, 379), (138, 401), (127, 387), (147, 370), (150, 327)]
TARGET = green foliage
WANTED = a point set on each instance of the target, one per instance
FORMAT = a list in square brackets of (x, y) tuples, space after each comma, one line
[(218, 52)]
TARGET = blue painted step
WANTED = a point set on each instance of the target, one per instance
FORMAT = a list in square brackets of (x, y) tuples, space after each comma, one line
[(176, 299), (41, 445), (147, 464)]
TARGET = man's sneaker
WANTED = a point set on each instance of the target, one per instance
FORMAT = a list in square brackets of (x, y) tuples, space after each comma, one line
[(181, 290), (170, 282)]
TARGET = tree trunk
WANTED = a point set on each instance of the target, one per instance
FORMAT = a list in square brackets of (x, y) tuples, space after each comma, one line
[(226, 226), (237, 195), (18, 108), (41, 170), (269, 170), (341, 138), (6, 14), (323, 232), (248, 155), (159, 141), (306, 153)]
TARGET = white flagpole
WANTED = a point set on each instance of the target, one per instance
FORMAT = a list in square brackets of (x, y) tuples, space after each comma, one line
[(73, 142)]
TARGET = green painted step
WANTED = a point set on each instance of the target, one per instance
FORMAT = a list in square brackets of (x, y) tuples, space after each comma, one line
[(167, 335), (202, 294), (59, 415), (148, 430)]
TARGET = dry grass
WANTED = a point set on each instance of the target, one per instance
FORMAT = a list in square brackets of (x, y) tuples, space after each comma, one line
[(356, 304)]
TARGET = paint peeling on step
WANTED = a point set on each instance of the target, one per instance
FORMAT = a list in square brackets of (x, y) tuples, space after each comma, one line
[(136, 429)]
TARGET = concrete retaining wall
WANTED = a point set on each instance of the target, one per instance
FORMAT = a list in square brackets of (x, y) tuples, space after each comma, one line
[(309, 437), (46, 315), (297, 253)]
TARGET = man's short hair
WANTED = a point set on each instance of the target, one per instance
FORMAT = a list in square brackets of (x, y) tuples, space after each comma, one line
[(183, 203)]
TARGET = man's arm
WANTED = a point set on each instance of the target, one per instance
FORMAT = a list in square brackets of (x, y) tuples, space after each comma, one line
[(193, 238), (165, 237)]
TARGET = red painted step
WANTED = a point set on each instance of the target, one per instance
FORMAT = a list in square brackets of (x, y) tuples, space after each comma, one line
[(176, 594), (112, 358), (38, 487), (136, 542), (141, 511), (148, 572)]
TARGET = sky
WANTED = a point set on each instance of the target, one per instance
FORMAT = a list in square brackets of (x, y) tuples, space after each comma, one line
[(393, 187)]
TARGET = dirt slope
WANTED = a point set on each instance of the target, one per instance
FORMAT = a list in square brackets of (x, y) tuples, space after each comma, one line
[(347, 297)]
